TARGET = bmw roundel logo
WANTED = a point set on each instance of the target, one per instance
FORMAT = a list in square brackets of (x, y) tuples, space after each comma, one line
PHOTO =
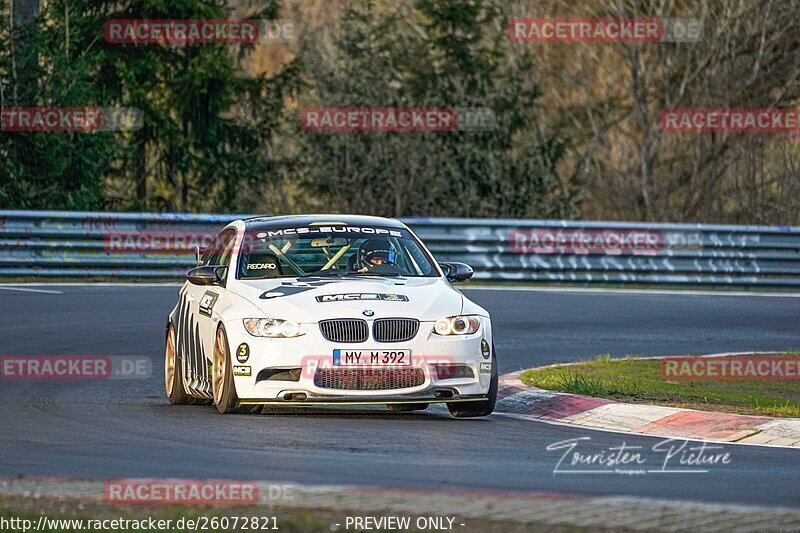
[(368, 312)]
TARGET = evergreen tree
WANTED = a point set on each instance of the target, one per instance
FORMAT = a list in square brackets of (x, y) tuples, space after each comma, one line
[(206, 129), (52, 170)]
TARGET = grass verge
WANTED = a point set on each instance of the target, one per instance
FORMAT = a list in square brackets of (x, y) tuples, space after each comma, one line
[(634, 380)]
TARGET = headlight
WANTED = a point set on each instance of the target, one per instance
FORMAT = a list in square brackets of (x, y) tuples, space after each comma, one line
[(272, 327), (457, 325)]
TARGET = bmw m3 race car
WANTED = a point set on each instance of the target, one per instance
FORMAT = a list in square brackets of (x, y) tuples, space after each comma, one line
[(313, 310)]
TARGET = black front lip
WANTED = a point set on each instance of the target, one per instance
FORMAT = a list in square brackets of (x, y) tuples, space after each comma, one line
[(316, 399)]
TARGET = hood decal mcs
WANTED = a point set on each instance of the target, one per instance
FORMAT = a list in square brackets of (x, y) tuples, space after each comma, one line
[(290, 288), (359, 296)]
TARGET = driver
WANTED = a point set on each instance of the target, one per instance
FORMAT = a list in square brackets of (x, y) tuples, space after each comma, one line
[(375, 253)]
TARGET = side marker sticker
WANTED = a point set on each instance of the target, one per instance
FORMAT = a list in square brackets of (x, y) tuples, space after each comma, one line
[(485, 349), (207, 303), (243, 353), (239, 370)]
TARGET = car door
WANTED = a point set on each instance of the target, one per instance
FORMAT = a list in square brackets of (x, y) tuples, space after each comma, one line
[(213, 298), (194, 321)]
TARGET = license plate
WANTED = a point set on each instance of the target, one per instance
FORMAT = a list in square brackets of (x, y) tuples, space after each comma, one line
[(372, 357)]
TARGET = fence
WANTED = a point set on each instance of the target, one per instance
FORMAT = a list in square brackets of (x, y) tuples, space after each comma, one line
[(44, 244)]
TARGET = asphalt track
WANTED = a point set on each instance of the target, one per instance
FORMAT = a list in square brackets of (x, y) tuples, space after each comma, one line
[(114, 429)]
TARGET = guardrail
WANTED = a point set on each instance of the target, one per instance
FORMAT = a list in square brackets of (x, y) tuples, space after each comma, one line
[(59, 244)]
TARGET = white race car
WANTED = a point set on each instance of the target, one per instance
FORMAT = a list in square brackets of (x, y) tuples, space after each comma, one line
[(328, 309)]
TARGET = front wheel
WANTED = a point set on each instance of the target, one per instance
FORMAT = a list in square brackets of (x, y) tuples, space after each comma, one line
[(482, 407), (225, 398)]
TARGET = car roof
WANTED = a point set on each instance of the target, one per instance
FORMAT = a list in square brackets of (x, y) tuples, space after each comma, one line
[(289, 221)]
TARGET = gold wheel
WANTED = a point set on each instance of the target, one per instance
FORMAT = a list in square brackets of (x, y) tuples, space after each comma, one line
[(173, 373), (169, 363), (220, 366)]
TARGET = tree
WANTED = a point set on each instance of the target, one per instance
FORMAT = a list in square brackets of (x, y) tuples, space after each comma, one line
[(207, 123), (56, 170), (423, 53), (746, 57)]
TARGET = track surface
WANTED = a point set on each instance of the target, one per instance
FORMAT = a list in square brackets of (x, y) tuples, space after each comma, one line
[(100, 429)]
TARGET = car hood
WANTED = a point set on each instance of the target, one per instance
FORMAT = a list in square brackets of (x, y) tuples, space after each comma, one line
[(309, 300)]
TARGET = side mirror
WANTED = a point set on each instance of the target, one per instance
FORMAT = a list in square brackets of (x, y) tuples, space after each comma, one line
[(457, 272), (206, 275), (197, 255)]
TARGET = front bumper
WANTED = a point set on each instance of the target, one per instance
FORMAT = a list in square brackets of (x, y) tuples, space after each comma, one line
[(312, 352)]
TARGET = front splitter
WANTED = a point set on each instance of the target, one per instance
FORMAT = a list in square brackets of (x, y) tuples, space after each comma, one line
[(394, 400)]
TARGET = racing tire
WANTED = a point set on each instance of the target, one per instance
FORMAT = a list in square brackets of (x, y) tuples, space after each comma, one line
[(481, 407), (173, 373), (406, 407), (225, 399)]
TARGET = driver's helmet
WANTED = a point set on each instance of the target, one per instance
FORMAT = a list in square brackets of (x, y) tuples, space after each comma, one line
[(376, 252)]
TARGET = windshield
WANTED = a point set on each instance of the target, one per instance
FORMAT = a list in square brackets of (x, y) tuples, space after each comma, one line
[(332, 250)]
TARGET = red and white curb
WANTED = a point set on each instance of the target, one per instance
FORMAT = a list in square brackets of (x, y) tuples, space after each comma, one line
[(524, 401), (532, 510)]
